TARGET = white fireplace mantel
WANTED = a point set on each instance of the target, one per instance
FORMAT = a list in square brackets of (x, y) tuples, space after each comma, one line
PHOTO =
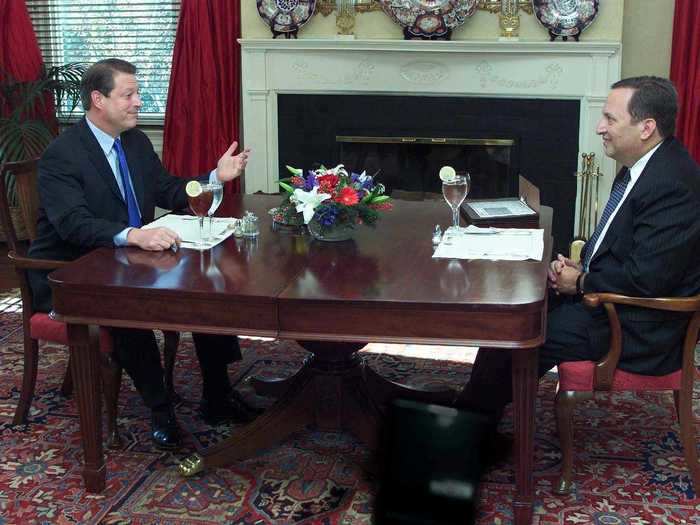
[(555, 70)]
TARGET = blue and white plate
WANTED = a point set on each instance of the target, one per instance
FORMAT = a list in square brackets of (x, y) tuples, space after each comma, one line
[(429, 18), (286, 16), (565, 18)]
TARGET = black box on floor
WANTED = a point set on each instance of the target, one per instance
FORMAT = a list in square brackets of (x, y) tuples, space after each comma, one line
[(431, 465)]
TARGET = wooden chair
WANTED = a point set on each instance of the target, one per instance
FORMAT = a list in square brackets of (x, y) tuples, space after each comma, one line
[(580, 379), (41, 326)]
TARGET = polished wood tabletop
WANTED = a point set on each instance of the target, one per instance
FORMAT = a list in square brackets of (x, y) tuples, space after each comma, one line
[(273, 278), (383, 285)]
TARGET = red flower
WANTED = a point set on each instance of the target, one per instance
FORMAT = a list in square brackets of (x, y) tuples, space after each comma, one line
[(327, 183), (297, 181), (347, 196)]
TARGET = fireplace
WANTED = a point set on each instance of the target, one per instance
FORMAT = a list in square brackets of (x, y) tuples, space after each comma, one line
[(472, 76)]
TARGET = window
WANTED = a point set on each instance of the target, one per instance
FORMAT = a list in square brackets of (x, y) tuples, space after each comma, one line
[(140, 31)]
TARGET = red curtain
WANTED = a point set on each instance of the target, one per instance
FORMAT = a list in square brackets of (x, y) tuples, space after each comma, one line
[(202, 114), (685, 72), (20, 56)]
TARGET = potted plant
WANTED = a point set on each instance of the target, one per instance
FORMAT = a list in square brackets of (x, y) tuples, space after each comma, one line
[(28, 119)]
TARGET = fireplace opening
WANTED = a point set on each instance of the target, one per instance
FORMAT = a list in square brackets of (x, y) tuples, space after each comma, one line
[(544, 148), (407, 165)]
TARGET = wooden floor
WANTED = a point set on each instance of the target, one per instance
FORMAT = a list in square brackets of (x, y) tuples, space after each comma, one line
[(8, 278)]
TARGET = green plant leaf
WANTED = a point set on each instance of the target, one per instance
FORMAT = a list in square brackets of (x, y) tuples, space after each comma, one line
[(22, 140), (286, 187)]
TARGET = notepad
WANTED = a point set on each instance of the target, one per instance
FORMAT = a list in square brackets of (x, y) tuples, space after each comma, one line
[(503, 244), (187, 227)]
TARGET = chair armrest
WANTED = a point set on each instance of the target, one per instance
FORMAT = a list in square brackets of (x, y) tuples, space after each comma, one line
[(605, 368), (29, 263), (674, 304)]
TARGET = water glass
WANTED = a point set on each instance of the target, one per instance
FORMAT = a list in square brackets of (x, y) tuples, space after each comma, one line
[(455, 191), (218, 192)]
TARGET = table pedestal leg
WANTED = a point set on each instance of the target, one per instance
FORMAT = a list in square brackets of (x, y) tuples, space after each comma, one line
[(85, 370), (524, 392), (328, 392)]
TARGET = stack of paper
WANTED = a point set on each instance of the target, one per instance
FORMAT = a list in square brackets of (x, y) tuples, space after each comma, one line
[(187, 227), (505, 244)]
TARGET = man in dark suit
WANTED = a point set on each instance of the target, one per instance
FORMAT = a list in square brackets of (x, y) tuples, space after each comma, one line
[(99, 182), (647, 244)]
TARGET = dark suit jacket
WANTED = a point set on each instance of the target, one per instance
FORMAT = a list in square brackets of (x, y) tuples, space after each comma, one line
[(652, 249), (81, 205)]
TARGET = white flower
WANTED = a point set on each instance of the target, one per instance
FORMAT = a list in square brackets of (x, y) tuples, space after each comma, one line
[(308, 201)]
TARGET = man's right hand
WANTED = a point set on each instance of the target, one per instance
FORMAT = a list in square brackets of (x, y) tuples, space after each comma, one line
[(152, 239), (555, 268)]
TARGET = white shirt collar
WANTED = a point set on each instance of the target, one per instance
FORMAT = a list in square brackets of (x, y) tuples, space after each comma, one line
[(105, 140), (638, 167)]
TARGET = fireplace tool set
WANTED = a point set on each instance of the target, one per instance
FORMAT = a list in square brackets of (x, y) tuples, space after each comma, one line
[(588, 209)]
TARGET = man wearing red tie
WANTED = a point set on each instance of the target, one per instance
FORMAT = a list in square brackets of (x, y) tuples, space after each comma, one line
[(99, 182), (647, 244)]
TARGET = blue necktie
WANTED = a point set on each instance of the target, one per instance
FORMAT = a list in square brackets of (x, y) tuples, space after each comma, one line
[(131, 205), (618, 190)]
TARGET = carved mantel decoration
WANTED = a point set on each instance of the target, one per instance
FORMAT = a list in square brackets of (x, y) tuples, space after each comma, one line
[(508, 14)]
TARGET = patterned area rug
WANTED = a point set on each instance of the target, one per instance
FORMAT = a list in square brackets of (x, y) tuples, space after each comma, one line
[(630, 467)]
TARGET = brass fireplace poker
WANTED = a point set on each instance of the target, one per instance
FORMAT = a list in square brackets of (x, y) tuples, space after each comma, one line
[(588, 209)]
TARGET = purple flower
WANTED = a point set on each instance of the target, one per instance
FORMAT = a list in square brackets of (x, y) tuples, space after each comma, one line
[(310, 181), (327, 215)]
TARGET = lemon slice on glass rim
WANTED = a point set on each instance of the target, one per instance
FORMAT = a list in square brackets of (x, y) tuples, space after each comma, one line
[(193, 188), (447, 173)]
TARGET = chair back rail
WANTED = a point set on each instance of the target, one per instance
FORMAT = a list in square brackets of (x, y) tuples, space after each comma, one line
[(25, 174)]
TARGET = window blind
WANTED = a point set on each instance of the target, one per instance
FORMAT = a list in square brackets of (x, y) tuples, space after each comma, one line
[(140, 31)]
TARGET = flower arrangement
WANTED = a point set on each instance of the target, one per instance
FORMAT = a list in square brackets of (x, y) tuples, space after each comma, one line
[(328, 198)]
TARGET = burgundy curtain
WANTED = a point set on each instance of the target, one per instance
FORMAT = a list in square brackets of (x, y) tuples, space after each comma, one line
[(685, 72), (202, 114), (20, 56)]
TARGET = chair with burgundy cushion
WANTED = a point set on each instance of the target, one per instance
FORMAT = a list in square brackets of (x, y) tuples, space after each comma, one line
[(581, 379), (41, 326)]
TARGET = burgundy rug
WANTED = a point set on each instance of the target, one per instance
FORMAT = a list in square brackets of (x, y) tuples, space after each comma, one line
[(629, 465)]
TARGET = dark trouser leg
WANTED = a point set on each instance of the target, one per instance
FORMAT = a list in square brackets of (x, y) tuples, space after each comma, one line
[(568, 327), (215, 352), (137, 352)]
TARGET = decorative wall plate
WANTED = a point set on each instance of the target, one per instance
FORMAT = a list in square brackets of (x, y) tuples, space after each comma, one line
[(429, 18), (286, 16), (565, 18)]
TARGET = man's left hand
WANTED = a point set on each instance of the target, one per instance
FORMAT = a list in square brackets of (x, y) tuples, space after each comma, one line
[(566, 282), (231, 166)]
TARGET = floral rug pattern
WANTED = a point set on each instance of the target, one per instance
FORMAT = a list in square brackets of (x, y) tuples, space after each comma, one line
[(630, 468)]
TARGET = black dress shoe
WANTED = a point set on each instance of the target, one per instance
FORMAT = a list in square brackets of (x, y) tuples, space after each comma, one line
[(164, 431), (214, 413), (237, 399)]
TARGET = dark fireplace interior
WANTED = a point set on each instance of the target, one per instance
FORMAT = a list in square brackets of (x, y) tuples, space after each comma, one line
[(407, 165), (408, 138)]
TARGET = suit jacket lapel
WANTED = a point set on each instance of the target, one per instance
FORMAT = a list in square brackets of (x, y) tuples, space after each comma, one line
[(98, 159)]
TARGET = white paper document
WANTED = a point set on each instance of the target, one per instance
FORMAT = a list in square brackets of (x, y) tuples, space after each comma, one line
[(493, 209), (497, 244), (187, 227)]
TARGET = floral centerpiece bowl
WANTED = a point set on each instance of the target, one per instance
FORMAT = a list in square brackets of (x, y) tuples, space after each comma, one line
[(332, 201)]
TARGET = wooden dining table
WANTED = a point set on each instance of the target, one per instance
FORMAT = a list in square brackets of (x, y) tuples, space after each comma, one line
[(381, 286)]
